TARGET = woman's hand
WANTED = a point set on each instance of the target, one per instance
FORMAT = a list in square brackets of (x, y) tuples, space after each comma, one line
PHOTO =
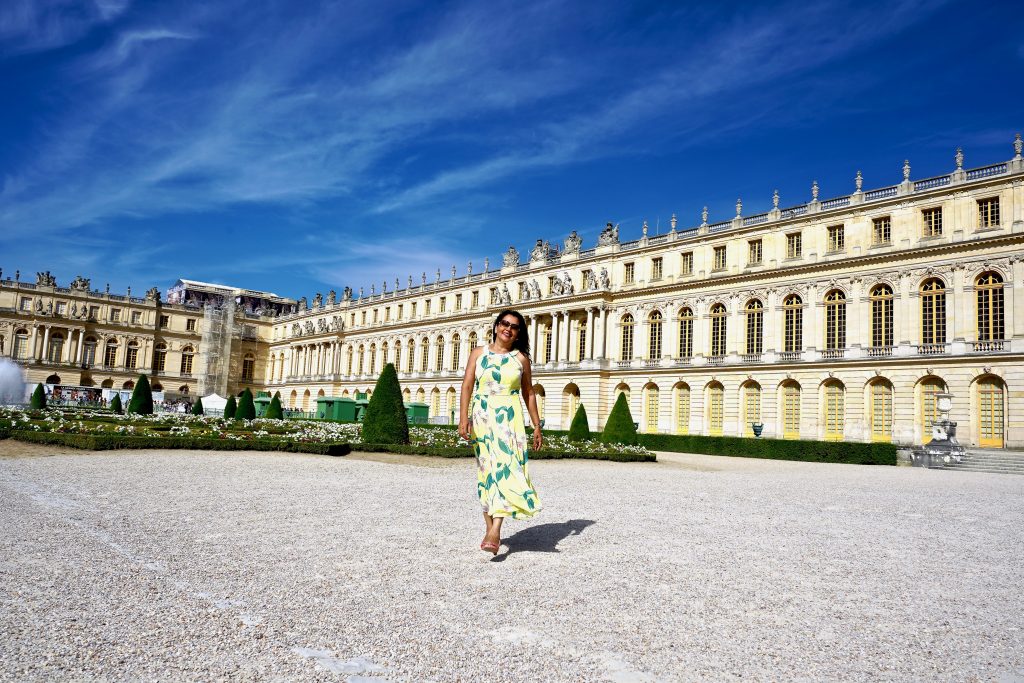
[(464, 429), (538, 440)]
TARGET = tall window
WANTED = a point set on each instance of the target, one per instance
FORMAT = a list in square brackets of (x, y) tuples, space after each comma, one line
[(835, 411), (751, 407), (881, 230), (651, 409), (351, 357), (791, 410), (398, 355), (56, 349), (654, 341), (929, 405), (685, 332), (630, 273), (794, 245), (410, 357), (718, 326), (132, 357), (990, 413), (373, 359), (475, 299), (187, 354), (931, 222), (362, 359), (248, 367), (110, 354), (881, 411), (755, 326), (933, 312), (160, 357), (835, 320), (881, 315), (754, 254), (989, 294), (626, 345), (686, 263), (458, 302), (836, 238), (719, 262), (439, 354), (581, 341), (716, 401), (443, 304), (682, 409), (426, 308), (424, 354), (793, 327), (435, 403), (547, 342), (657, 268), (988, 212), (456, 350), (21, 345)]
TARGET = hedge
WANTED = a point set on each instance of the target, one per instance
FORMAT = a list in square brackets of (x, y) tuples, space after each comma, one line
[(467, 452), (774, 449), (106, 442)]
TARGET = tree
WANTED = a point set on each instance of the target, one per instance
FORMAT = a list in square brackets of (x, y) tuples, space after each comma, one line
[(619, 428), (579, 430), (115, 404), (197, 407), (274, 411), (246, 406), (141, 402), (385, 420), (230, 408), (38, 401)]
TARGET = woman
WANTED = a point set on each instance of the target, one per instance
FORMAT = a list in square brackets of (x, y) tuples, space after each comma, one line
[(495, 376)]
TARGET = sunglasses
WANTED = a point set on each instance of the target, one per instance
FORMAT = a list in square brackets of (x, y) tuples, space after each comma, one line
[(514, 327)]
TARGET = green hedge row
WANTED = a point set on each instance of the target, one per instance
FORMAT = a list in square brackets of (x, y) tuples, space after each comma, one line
[(105, 442), (466, 452), (774, 449)]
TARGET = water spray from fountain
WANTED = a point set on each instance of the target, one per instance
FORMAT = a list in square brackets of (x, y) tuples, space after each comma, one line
[(12, 383)]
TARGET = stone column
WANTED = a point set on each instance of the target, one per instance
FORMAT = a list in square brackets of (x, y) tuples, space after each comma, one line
[(590, 334), (464, 352), (554, 337), (534, 336), (79, 352), (603, 336), (46, 343)]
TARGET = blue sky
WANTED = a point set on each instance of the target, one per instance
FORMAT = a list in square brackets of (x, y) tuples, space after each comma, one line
[(296, 147)]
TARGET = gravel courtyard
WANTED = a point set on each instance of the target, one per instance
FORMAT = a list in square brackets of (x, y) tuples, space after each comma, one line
[(150, 565)]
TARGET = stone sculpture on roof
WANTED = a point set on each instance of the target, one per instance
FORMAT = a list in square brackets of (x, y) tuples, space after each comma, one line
[(511, 257), (572, 243), (610, 235)]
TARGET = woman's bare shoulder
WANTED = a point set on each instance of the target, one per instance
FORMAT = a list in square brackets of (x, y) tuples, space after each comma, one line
[(523, 360)]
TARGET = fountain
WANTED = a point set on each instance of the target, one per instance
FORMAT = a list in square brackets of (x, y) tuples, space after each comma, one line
[(943, 449), (12, 383)]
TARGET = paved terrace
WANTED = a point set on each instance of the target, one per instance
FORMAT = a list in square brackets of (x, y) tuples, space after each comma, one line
[(174, 565)]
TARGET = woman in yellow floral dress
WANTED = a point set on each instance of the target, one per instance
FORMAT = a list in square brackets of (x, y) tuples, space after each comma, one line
[(491, 419)]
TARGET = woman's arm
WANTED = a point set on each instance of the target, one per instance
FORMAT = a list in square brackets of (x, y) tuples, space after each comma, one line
[(468, 380), (531, 401)]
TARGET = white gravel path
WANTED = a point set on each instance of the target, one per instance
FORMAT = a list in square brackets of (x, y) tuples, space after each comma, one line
[(153, 565)]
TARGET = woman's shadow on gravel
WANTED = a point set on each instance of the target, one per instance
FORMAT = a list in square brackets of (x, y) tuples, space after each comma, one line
[(542, 538)]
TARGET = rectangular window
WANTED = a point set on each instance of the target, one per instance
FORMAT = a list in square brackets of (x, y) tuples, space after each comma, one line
[(26, 304), (375, 314), (444, 304), (426, 307), (629, 277), (62, 308), (159, 360), (352, 321), (656, 268), (412, 309), (719, 263), (754, 252), (836, 238), (165, 321), (94, 312), (387, 314), (794, 245), (190, 325), (458, 302), (881, 230), (988, 212), (362, 318), (476, 299), (401, 311), (115, 315), (686, 263), (136, 317), (931, 222)]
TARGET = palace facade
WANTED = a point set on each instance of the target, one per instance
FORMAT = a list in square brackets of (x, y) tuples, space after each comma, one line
[(837, 318)]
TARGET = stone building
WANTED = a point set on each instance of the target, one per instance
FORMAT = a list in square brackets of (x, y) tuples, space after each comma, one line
[(836, 318)]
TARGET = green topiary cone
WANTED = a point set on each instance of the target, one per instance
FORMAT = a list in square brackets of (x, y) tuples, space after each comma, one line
[(141, 402), (579, 430), (246, 406), (385, 420), (619, 428), (230, 408)]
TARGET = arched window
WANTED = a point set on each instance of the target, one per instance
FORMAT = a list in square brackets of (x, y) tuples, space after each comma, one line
[(790, 410), (56, 350), (651, 408), (410, 357), (435, 402), (570, 404), (751, 407), (622, 388), (110, 353), (933, 312), (626, 338), (718, 328), (439, 354), (716, 408), (350, 355), (682, 398), (160, 357), (456, 350), (373, 359), (187, 354), (305, 401), (361, 360), (835, 410), (424, 354), (421, 396), (835, 320), (990, 412), (450, 404), (654, 339), (929, 408), (89, 352), (384, 348), (131, 358), (406, 395), (248, 367), (793, 324), (685, 332), (398, 356), (755, 327), (881, 315), (21, 345), (881, 410), (989, 294), (474, 340)]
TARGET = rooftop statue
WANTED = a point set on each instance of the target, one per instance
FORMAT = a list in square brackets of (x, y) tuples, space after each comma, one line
[(511, 257), (610, 235), (44, 279), (572, 243)]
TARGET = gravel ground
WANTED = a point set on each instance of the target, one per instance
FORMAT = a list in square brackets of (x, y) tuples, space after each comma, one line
[(152, 565)]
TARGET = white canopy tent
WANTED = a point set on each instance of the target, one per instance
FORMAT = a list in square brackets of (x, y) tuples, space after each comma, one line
[(214, 402)]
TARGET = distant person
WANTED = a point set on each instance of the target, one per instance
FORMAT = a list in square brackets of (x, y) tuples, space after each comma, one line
[(496, 377)]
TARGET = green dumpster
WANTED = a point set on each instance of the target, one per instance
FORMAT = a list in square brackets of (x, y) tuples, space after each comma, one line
[(333, 408), (417, 413), (262, 402)]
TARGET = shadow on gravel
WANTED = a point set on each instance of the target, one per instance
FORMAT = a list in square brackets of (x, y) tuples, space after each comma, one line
[(543, 538)]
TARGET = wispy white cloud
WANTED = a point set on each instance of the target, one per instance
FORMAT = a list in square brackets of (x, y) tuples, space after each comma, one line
[(36, 25)]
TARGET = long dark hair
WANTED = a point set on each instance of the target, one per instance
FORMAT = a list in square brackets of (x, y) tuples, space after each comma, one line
[(522, 342)]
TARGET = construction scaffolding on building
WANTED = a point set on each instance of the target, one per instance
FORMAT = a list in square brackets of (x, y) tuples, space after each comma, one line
[(219, 332)]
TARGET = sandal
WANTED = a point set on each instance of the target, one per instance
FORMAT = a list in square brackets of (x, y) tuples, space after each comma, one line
[(490, 547)]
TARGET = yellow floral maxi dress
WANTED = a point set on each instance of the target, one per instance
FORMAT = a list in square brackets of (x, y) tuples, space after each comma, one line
[(499, 438)]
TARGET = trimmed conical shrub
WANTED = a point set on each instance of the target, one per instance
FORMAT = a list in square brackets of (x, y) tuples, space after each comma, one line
[(141, 402), (619, 428), (115, 404), (246, 406), (197, 407), (274, 411), (38, 401), (579, 430), (385, 420), (230, 408)]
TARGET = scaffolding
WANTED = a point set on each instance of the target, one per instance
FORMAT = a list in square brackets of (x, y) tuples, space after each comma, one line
[(215, 361)]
